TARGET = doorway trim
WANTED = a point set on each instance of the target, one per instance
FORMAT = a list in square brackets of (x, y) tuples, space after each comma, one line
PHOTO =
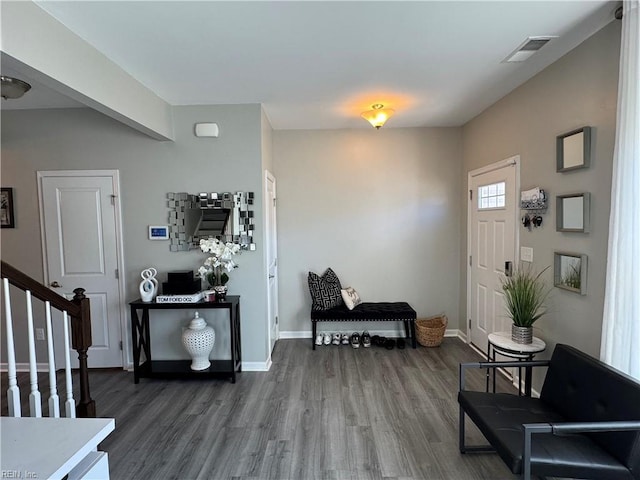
[(515, 161), (269, 177), (127, 361)]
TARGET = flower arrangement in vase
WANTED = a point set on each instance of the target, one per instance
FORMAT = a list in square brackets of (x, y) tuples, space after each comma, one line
[(215, 267)]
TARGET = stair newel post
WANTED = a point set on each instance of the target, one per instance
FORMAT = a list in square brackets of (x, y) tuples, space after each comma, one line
[(81, 341)]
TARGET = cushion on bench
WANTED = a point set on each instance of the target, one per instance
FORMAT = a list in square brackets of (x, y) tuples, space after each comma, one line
[(366, 311), (325, 290)]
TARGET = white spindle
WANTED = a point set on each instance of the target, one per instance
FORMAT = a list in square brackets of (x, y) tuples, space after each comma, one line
[(54, 401), (70, 404), (35, 408), (13, 392)]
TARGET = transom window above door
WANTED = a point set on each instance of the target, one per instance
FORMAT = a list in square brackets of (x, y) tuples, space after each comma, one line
[(491, 196)]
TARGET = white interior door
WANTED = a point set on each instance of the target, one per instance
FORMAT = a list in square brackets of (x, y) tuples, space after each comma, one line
[(272, 258), (492, 241), (80, 225)]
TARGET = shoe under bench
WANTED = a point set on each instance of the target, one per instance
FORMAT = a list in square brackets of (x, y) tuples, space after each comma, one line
[(369, 312)]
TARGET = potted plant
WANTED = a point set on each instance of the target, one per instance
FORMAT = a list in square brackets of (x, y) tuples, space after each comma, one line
[(525, 293), (215, 267)]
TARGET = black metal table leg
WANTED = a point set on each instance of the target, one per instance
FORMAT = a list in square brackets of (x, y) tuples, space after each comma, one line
[(313, 333)]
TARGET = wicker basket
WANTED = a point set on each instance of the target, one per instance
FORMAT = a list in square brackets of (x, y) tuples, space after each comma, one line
[(430, 331)]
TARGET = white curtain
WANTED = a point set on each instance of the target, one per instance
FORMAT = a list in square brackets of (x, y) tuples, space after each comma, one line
[(620, 346)]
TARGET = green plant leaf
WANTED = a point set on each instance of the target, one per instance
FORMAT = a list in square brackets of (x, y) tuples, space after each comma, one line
[(525, 293)]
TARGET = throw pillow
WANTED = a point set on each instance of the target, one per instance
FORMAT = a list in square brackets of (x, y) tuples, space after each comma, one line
[(325, 290), (350, 297)]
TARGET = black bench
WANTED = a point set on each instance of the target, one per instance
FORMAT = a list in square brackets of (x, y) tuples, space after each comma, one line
[(586, 423), (369, 311)]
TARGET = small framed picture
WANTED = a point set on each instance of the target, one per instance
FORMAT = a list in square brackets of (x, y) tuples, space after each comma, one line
[(7, 217)]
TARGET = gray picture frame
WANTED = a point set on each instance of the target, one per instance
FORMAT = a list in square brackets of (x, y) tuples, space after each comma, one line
[(7, 212), (573, 150), (570, 272), (573, 212)]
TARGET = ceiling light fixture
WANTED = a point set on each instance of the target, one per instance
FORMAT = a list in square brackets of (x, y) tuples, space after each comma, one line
[(13, 87), (378, 116)]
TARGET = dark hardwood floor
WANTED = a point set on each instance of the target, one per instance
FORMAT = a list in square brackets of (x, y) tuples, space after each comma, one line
[(332, 413)]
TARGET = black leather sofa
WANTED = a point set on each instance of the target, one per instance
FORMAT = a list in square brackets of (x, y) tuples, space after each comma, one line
[(586, 423)]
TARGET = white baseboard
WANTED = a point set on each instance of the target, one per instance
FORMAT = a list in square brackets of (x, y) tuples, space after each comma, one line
[(24, 367), (256, 366), (454, 332), (284, 335)]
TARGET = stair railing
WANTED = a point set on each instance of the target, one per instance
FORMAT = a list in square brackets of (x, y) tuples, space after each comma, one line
[(79, 313)]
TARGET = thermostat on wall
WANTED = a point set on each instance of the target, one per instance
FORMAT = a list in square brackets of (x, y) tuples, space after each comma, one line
[(158, 232)]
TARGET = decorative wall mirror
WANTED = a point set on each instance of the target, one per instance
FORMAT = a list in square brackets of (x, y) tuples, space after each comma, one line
[(573, 150), (225, 216), (573, 212), (570, 272)]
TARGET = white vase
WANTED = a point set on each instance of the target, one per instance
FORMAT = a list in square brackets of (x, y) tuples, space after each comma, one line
[(149, 285), (154, 272), (198, 339), (146, 290)]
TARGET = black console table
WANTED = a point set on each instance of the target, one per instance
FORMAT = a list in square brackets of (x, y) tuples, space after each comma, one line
[(141, 338)]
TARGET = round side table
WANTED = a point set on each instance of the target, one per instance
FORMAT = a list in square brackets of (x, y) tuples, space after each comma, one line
[(500, 342)]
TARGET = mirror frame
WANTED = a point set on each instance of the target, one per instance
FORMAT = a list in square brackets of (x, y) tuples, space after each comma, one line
[(586, 212), (586, 149), (557, 272), (241, 221)]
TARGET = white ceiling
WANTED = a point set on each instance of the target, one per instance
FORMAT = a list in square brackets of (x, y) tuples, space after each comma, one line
[(319, 64)]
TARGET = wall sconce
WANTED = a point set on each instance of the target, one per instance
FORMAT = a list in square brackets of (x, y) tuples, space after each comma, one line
[(378, 115), (207, 130)]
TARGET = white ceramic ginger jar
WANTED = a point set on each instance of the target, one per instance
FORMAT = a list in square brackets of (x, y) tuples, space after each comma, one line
[(198, 339)]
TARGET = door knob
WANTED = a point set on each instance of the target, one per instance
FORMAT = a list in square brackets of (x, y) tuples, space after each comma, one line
[(271, 276), (55, 284), (508, 269)]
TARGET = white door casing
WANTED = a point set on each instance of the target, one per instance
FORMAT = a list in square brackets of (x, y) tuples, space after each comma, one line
[(82, 247), (492, 240), (271, 238)]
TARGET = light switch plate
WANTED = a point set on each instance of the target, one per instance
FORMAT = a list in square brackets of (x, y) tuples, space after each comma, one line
[(526, 254)]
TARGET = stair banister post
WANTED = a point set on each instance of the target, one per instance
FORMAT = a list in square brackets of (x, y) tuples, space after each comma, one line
[(81, 341)]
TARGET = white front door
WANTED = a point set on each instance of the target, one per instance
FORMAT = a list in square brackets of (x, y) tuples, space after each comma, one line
[(272, 258), (492, 243), (80, 224)]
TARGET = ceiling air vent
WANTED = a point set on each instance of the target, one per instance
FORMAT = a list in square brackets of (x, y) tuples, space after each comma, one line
[(527, 48)]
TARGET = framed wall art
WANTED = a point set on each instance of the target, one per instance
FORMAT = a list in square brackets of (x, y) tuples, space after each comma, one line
[(573, 212), (7, 215), (573, 150), (570, 272)]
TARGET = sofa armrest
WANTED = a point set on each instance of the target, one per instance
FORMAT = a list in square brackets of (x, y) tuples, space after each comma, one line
[(566, 428), (488, 365), (586, 427)]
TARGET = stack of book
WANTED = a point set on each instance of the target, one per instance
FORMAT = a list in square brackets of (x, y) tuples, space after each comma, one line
[(181, 287)]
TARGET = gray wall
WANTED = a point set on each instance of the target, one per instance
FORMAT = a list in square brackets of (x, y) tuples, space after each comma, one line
[(579, 89), (386, 209), (381, 208), (69, 139)]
